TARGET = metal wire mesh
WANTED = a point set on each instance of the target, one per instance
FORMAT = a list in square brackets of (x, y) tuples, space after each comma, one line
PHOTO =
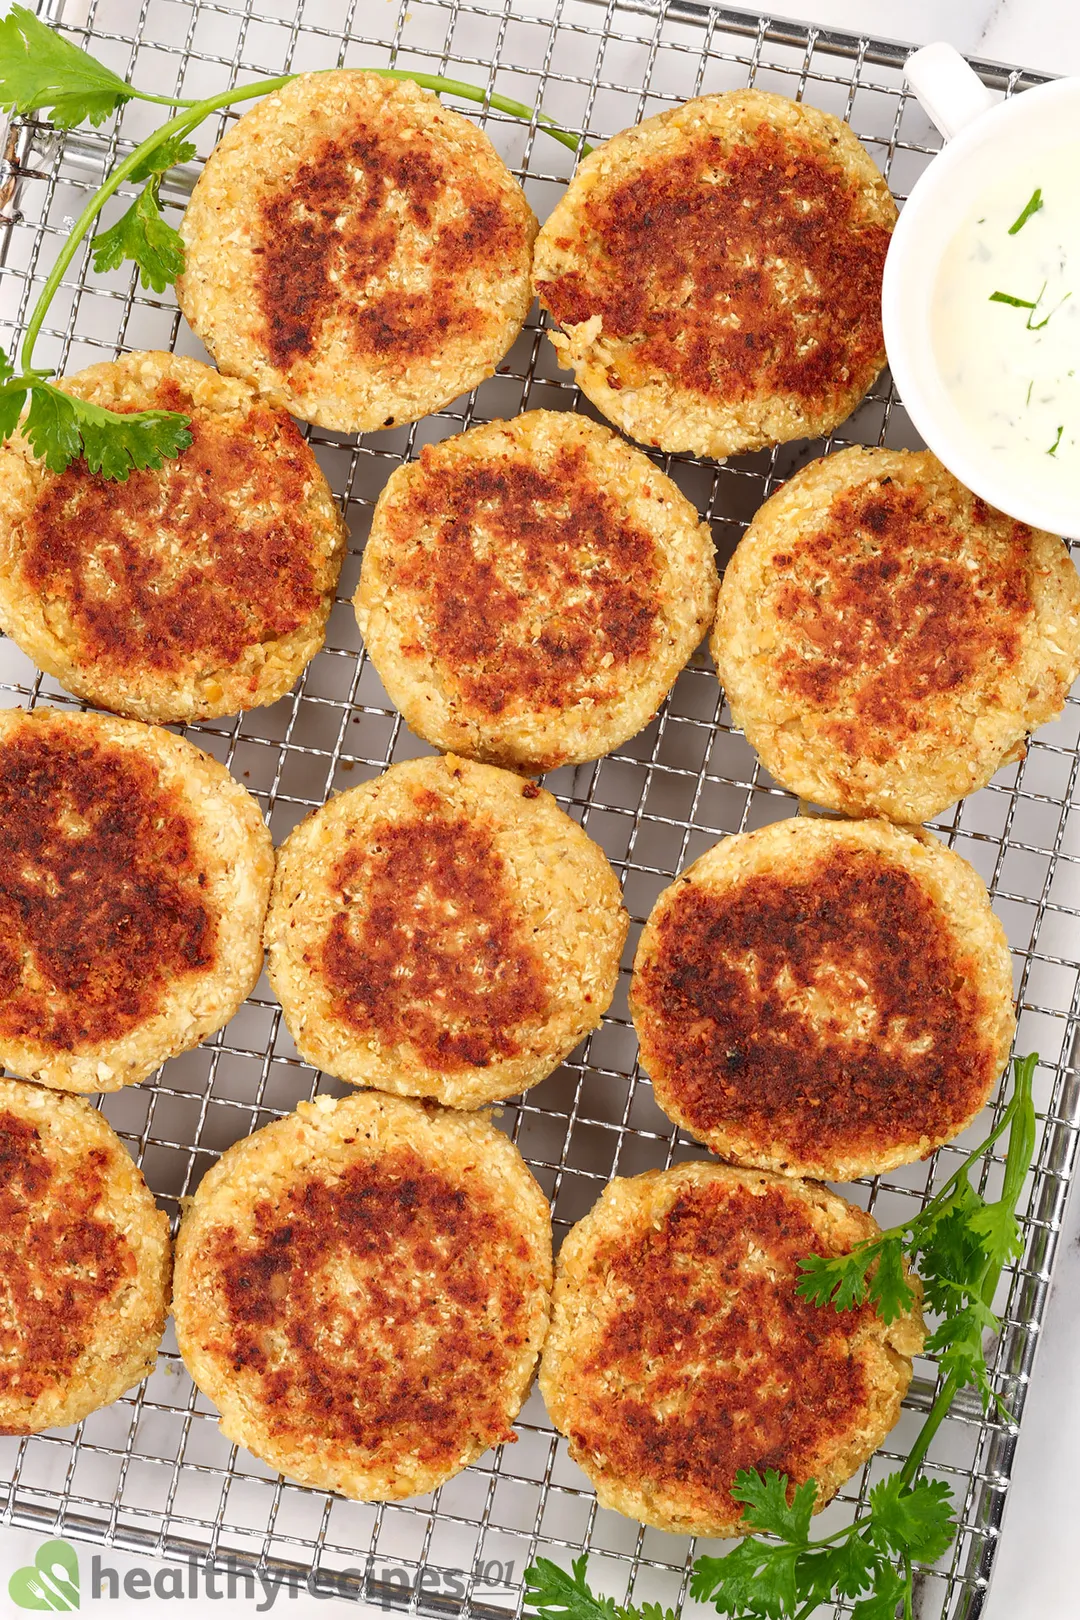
[(152, 1473)]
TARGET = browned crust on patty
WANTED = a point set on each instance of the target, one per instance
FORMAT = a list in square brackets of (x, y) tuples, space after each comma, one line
[(443, 931), (100, 902), (594, 571), (531, 589), (310, 258), (185, 592), (134, 877), (731, 252), (395, 960), (886, 639), (56, 1277), (363, 1288), (680, 1352), (357, 250), (84, 1262), (823, 999)]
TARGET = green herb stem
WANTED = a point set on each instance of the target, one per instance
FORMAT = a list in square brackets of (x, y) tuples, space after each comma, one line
[(1019, 1116), (1032, 206), (473, 92), (942, 1197), (196, 111), (182, 124)]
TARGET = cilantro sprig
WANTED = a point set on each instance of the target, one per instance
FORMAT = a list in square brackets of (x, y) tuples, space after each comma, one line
[(43, 72), (961, 1244), (958, 1243)]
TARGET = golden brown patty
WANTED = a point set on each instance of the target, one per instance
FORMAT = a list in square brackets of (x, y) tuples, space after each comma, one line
[(444, 931), (531, 590), (362, 1289), (356, 250), (887, 640), (84, 1262), (680, 1352), (134, 875), (716, 272), (824, 998), (184, 593)]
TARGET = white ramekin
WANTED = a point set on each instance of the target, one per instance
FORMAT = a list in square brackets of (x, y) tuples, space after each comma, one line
[(984, 139)]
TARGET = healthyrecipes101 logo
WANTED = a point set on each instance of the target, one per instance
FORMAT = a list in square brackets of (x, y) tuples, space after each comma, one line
[(52, 1582)]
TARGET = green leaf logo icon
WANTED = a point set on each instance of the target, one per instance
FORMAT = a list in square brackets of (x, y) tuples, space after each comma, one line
[(50, 1582)]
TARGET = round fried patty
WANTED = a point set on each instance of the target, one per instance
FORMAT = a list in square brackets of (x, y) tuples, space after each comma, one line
[(356, 250), (192, 591), (134, 876), (444, 931), (362, 1289), (531, 589), (84, 1262), (716, 274), (824, 998), (680, 1352), (887, 640)]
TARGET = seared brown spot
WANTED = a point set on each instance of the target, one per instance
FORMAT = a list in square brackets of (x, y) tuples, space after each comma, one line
[(59, 1263), (358, 209), (893, 608), (430, 948), (536, 589), (381, 1310), (184, 568), (832, 1012), (708, 1360), (100, 906), (736, 271)]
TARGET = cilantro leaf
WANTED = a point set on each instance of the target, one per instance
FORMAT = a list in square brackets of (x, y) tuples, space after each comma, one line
[(754, 1579), (913, 1521), (550, 1590), (170, 152), (52, 429), (873, 1271), (767, 1507), (999, 1229), (889, 1289), (839, 1279), (61, 427), (143, 235), (7, 370), (41, 71), (846, 1569), (890, 1590), (11, 405)]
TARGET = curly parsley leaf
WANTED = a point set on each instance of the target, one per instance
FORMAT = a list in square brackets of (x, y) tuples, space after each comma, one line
[(113, 443), (143, 235), (41, 71)]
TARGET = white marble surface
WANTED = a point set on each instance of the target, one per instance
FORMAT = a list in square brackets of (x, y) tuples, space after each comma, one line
[(1038, 1570)]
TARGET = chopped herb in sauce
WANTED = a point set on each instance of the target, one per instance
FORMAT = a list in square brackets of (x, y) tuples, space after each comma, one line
[(1030, 306), (1031, 385), (1053, 448), (1032, 206), (1038, 325)]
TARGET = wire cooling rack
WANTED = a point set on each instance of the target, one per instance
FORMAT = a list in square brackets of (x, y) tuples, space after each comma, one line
[(152, 1473)]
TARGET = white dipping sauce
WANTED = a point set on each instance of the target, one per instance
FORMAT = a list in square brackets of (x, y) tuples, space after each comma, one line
[(1012, 371)]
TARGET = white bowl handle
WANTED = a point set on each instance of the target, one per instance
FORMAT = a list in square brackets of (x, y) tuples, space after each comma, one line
[(947, 89)]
